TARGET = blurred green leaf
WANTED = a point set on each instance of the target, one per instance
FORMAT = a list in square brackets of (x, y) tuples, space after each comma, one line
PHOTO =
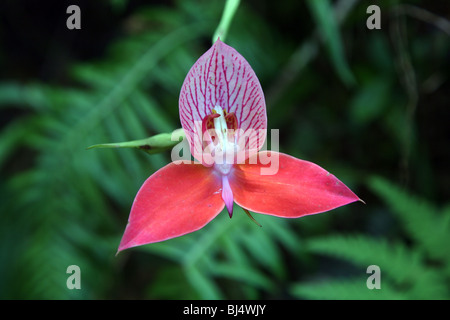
[(203, 284), (323, 14), (370, 101)]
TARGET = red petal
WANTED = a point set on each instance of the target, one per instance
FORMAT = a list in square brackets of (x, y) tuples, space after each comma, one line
[(222, 77), (298, 188), (175, 200)]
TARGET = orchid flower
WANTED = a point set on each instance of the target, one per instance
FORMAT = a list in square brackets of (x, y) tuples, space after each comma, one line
[(223, 114)]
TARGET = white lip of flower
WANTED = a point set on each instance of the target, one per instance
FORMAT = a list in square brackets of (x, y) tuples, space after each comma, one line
[(224, 150)]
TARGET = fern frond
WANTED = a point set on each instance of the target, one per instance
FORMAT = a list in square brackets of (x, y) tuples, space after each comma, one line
[(353, 289), (68, 195), (233, 249), (406, 268), (429, 227)]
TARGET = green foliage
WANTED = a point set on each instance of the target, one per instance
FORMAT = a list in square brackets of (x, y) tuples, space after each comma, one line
[(46, 229), (70, 196), (329, 30), (337, 289), (61, 204), (408, 271), (426, 225), (234, 250)]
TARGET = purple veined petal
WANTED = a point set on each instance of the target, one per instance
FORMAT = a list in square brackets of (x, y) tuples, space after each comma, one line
[(221, 77)]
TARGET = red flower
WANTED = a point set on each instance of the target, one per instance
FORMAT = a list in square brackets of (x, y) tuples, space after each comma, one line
[(223, 114)]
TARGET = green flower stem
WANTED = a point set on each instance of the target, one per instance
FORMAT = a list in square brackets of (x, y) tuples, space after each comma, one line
[(227, 15), (154, 144)]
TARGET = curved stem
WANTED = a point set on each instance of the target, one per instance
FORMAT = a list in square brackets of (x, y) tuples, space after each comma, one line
[(250, 216)]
